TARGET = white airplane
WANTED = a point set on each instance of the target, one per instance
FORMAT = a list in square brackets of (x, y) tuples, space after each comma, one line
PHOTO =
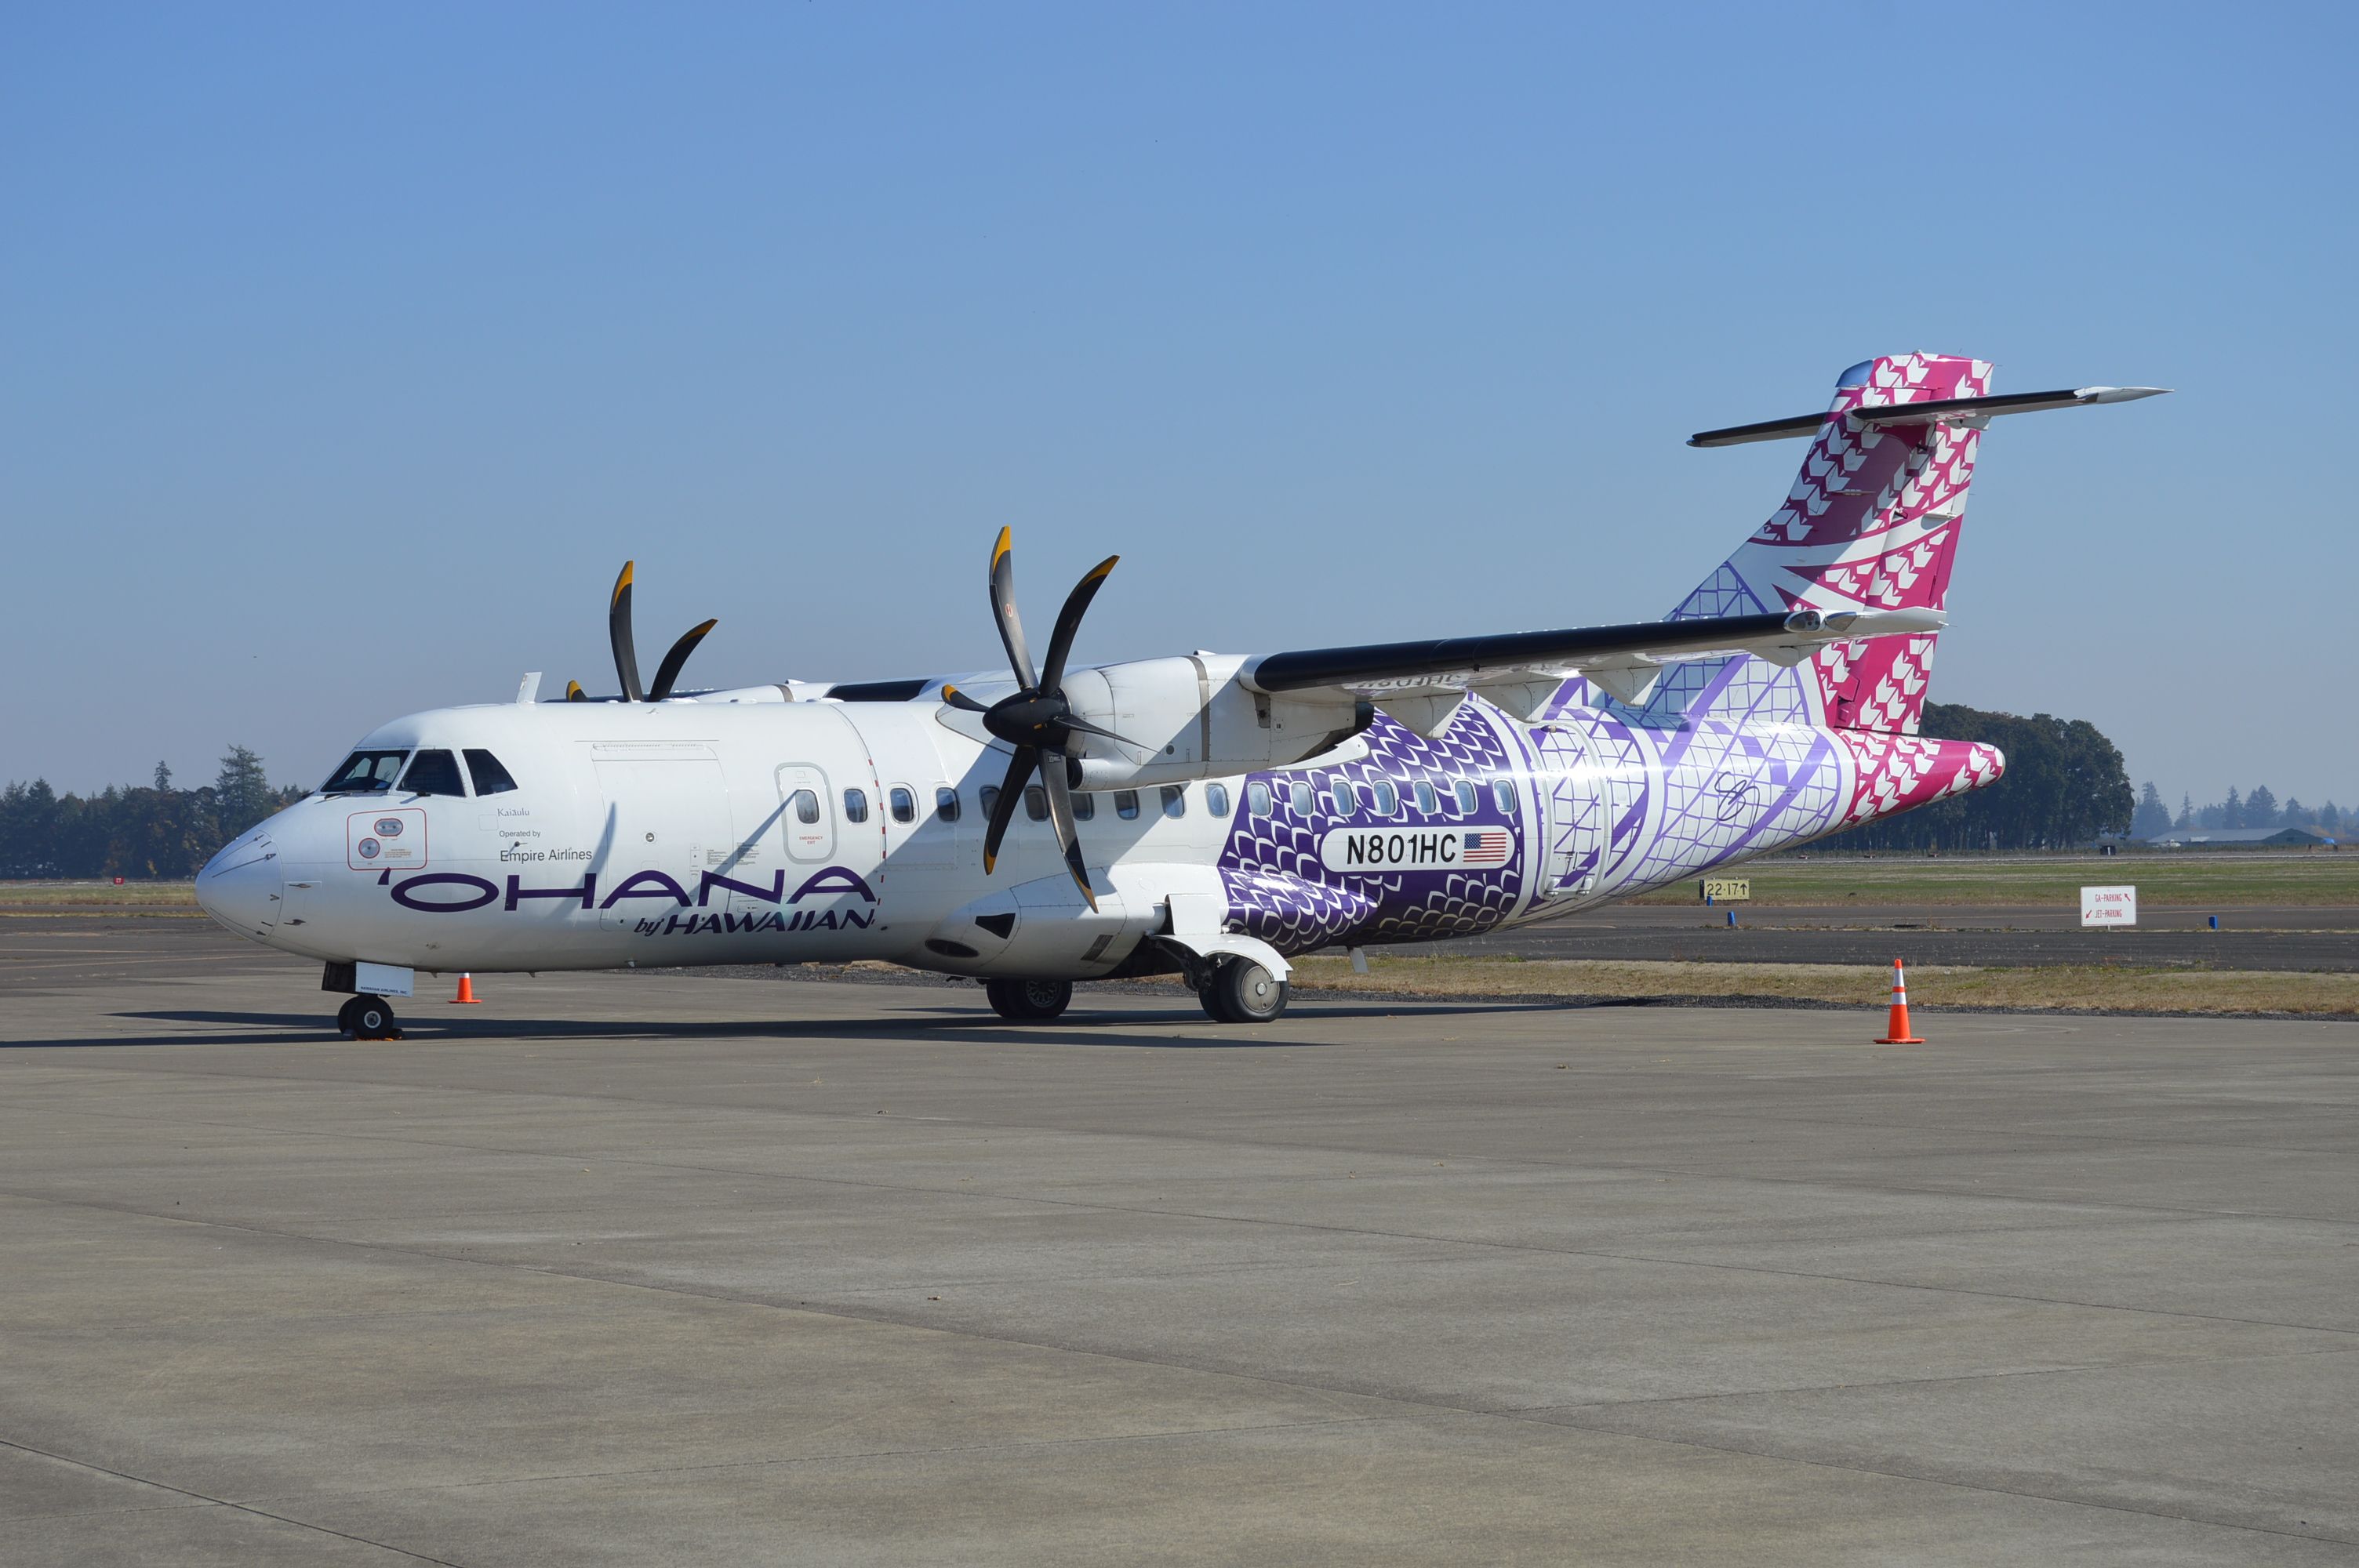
[(1209, 814)]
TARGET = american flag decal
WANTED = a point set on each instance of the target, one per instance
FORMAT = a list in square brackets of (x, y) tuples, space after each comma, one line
[(1483, 846)]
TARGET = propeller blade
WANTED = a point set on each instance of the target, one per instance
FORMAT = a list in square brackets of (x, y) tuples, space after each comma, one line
[(1069, 621), (1003, 810), (573, 692), (1060, 816), (669, 671), (958, 698), (1076, 721), (1003, 610), (618, 631)]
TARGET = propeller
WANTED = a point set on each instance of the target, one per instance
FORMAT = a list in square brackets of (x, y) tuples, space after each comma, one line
[(626, 656), (1035, 720)]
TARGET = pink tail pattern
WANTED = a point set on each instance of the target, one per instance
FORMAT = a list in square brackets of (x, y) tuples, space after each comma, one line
[(1871, 522)]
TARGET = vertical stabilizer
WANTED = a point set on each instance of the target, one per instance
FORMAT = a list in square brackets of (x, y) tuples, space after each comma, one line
[(1870, 523)]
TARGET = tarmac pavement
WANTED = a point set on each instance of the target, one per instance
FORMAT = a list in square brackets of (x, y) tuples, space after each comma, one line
[(657, 1268)]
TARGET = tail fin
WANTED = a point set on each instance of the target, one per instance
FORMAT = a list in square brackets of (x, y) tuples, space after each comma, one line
[(1871, 523)]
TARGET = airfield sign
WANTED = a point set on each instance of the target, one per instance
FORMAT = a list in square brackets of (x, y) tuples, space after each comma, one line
[(2109, 906), (1724, 890)]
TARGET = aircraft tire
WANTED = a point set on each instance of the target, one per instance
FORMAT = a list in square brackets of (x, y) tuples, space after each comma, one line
[(1244, 993), (1028, 1001), (368, 1018)]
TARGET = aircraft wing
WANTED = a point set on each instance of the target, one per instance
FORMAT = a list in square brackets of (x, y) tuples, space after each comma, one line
[(1624, 660)]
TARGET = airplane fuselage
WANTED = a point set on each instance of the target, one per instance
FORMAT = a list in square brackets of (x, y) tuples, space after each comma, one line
[(781, 832)]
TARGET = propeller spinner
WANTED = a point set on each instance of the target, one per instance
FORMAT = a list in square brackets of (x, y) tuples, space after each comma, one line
[(1035, 720), (626, 656)]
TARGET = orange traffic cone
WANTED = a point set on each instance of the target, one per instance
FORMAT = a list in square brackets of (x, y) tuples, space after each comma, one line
[(466, 997), (1897, 1031)]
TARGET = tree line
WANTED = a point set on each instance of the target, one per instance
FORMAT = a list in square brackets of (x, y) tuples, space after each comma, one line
[(2259, 809), (151, 830), (2065, 786)]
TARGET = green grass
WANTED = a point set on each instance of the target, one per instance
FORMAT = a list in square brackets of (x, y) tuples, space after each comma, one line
[(1932, 989), (2221, 878), (97, 895)]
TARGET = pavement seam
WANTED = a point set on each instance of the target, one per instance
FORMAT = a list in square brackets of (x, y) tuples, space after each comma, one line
[(1215, 1217), (1859, 1468), (1490, 1161), (196, 1498)]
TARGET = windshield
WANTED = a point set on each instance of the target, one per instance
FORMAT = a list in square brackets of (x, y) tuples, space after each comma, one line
[(365, 773)]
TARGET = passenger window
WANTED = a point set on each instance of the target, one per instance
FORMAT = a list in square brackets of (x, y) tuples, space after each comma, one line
[(1035, 802), (1340, 796), (806, 804), (855, 805), (1085, 807), (1175, 800), (365, 773), (489, 776), (1387, 797), (1257, 798), (433, 772), (1216, 799), (1425, 801), (904, 804), (988, 798), (1502, 794), (1302, 800), (1126, 804), (946, 804), (1465, 791)]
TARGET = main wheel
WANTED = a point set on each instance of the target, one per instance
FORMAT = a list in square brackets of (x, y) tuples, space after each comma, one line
[(369, 1017), (1028, 1001), (1244, 993)]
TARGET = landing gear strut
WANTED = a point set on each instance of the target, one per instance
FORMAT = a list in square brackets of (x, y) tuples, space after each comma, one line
[(367, 1018), (1239, 991), (1028, 1001)]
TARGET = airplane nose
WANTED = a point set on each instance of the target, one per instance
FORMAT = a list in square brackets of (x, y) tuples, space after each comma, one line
[(240, 887)]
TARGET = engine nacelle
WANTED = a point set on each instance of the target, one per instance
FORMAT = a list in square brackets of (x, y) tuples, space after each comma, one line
[(1191, 719)]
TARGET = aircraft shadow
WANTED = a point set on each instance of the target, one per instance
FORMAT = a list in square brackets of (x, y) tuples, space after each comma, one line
[(1082, 1027)]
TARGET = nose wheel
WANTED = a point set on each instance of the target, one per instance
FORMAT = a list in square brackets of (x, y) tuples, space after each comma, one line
[(367, 1018), (1028, 1001)]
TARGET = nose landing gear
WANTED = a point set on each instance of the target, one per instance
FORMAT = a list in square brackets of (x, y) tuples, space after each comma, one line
[(1028, 1001), (367, 1018)]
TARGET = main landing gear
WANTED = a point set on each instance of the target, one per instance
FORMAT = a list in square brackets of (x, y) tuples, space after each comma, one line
[(1028, 1001), (367, 1018), (1239, 991)]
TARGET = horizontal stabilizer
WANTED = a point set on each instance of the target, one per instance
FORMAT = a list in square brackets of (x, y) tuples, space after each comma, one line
[(1953, 410)]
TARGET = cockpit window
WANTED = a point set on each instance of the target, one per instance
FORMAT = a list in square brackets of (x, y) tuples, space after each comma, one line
[(365, 773), (485, 770), (433, 772)]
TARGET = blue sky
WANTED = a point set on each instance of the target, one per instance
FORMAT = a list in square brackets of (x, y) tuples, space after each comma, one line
[(345, 352)]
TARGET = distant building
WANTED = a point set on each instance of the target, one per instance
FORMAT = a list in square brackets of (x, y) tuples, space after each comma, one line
[(2237, 839)]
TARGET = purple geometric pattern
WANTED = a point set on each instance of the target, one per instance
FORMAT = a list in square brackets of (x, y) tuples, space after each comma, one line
[(1726, 759), (1280, 890)]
